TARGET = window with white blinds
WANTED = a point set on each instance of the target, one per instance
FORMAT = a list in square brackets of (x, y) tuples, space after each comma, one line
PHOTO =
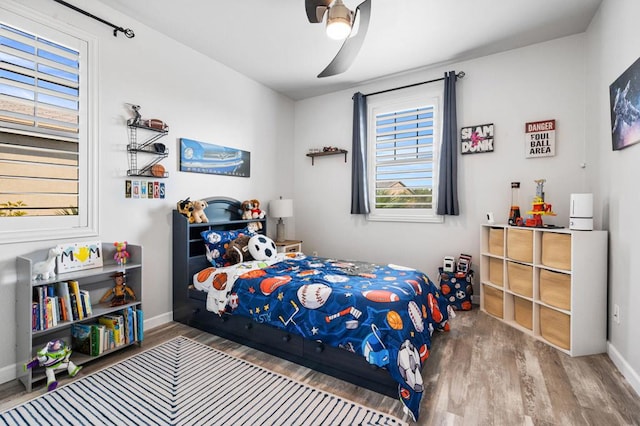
[(44, 143), (403, 141), (39, 113)]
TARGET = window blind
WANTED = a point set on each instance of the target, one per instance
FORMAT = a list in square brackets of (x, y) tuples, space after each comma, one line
[(404, 158), (39, 125)]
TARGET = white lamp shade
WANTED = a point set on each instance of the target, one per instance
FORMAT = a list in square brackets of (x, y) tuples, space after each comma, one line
[(339, 21), (281, 208)]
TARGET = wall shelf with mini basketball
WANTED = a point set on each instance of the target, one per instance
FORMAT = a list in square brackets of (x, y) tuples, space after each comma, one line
[(149, 134)]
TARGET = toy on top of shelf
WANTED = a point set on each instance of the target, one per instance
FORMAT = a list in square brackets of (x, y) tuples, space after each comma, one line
[(121, 255), (54, 356), (514, 214), (47, 268), (198, 213), (185, 208), (251, 210), (119, 292), (539, 207)]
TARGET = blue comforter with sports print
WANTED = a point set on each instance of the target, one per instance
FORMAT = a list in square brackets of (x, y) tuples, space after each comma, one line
[(386, 313)]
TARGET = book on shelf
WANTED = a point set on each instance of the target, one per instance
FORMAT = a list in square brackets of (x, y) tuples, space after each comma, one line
[(81, 338), (35, 316), (63, 293), (140, 324), (116, 323), (85, 301), (74, 289)]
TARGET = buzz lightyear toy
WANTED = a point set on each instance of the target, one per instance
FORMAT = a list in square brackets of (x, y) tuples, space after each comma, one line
[(54, 356)]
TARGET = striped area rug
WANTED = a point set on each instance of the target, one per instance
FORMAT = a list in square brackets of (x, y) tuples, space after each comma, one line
[(183, 382)]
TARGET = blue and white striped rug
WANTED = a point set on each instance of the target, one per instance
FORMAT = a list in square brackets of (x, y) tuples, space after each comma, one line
[(184, 382)]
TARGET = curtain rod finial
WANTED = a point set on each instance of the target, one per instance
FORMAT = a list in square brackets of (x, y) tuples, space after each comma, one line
[(460, 75)]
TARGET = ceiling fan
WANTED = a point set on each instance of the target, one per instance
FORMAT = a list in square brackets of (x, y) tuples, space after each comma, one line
[(340, 25)]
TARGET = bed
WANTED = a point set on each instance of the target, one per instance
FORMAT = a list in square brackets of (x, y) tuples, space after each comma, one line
[(368, 324)]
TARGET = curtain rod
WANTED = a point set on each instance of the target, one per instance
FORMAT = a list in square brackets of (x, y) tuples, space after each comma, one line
[(459, 75), (128, 32)]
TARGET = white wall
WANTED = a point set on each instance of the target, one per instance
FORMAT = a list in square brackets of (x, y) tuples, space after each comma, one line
[(613, 45), (541, 82), (200, 99)]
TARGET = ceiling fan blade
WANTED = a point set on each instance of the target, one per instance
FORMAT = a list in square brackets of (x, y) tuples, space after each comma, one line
[(316, 9), (351, 46)]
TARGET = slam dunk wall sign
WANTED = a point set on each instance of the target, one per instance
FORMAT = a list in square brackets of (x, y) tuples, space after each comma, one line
[(476, 139)]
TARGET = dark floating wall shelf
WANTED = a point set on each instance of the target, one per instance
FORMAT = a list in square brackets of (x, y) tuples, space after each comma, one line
[(313, 155)]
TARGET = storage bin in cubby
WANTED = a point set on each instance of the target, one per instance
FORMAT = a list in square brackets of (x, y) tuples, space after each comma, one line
[(523, 312), (556, 250), (520, 245), (496, 274), (555, 289), (493, 301), (496, 241), (520, 278), (555, 327)]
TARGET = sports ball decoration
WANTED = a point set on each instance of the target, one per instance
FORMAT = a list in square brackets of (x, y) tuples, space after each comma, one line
[(312, 296), (409, 365), (381, 296), (262, 247), (416, 316), (269, 285), (394, 320)]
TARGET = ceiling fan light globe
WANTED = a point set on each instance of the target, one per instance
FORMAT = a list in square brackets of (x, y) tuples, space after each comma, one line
[(338, 29), (339, 21)]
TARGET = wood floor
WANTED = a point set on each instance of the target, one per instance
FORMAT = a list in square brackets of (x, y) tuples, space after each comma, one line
[(481, 373)]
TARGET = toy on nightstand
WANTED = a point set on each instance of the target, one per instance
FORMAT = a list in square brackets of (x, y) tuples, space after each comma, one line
[(120, 293), (121, 255), (54, 356), (449, 264), (540, 208)]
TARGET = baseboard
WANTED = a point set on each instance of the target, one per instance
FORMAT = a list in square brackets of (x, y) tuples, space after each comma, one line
[(627, 371), (158, 320), (8, 373)]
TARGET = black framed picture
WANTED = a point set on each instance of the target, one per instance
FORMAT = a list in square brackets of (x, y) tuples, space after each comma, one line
[(624, 97), (201, 157)]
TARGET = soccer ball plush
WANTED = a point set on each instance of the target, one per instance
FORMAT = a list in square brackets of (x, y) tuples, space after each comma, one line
[(262, 247)]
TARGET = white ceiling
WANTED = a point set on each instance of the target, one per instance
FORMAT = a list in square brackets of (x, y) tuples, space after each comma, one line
[(272, 42)]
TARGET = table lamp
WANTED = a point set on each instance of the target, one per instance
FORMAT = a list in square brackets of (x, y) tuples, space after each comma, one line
[(280, 208)]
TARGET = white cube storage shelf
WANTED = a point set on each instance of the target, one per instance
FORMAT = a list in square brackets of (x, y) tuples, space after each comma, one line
[(548, 283)]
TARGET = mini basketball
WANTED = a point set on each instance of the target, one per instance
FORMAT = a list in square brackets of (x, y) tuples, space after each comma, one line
[(157, 170)]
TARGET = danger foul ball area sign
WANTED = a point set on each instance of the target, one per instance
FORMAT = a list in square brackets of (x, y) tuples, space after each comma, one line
[(540, 139)]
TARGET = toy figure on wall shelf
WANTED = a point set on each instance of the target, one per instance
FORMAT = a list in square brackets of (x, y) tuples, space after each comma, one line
[(120, 292), (54, 356), (539, 207), (121, 255)]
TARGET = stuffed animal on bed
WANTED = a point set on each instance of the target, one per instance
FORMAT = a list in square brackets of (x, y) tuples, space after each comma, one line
[(262, 247), (238, 250), (198, 214)]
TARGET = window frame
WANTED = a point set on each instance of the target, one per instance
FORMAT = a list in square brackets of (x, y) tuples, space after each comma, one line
[(86, 223), (396, 101)]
